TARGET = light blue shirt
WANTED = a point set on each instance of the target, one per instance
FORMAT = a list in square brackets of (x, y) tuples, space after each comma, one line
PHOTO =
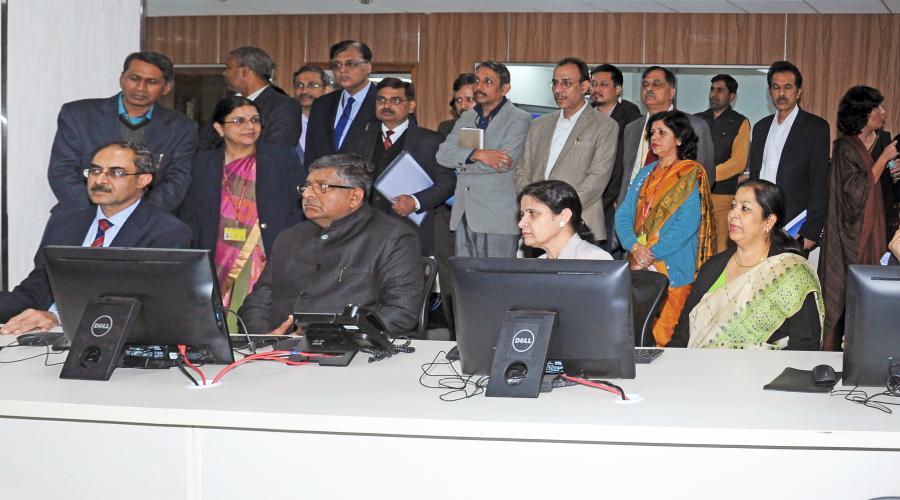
[(118, 221), (134, 120), (357, 104)]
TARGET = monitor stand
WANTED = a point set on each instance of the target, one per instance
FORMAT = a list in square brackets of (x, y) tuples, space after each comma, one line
[(98, 344), (521, 355)]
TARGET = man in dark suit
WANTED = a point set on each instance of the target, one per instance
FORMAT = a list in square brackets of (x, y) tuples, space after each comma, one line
[(793, 152), (134, 116), (340, 118), (249, 73), (462, 101), (310, 83), (117, 176), (606, 97), (394, 133)]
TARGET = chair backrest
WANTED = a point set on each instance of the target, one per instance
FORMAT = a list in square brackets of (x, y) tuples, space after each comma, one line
[(430, 275), (648, 291)]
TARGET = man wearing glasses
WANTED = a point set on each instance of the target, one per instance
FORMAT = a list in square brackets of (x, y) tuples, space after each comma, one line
[(117, 177), (249, 73), (132, 115), (310, 83), (346, 252), (575, 145), (462, 101), (340, 117)]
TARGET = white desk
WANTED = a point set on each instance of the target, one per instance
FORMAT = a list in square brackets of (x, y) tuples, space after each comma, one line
[(705, 429)]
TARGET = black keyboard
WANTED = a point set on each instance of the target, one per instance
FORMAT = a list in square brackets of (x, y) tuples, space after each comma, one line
[(644, 355)]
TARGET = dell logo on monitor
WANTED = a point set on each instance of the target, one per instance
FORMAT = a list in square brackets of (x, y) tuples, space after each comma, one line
[(101, 326), (523, 340)]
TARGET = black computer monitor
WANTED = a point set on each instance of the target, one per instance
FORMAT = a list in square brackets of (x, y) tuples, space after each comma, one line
[(177, 289), (871, 332), (592, 298)]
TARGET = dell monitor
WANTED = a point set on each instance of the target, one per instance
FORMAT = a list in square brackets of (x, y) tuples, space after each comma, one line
[(871, 334), (593, 336), (165, 297)]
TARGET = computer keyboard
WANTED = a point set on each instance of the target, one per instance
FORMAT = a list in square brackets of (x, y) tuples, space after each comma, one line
[(644, 355)]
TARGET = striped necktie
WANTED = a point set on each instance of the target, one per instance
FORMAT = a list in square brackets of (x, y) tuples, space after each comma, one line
[(102, 226)]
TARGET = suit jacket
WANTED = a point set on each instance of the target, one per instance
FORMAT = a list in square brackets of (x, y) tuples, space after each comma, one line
[(624, 113), (422, 144), (147, 227), (585, 162), (631, 145), (366, 258), (278, 173), (83, 126), (802, 168), (280, 116), (487, 197), (320, 131)]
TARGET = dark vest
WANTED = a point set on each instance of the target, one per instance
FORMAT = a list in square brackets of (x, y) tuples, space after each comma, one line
[(723, 130)]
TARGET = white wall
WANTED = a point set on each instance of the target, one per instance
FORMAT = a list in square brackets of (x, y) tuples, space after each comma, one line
[(57, 51)]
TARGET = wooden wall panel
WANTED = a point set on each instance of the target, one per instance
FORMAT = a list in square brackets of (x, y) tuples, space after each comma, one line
[(835, 52), (714, 38), (537, 37), (393, 38), (186, 40), (452, 44)]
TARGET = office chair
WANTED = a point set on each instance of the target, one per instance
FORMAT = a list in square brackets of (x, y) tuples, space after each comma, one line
[(430, 275), (648, 291)]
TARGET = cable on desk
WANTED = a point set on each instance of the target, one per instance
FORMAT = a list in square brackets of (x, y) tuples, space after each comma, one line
[(379, 354), (279, 356), (180, 364), (244, 327), (183, 350), (46, 354), (459, 386), (598, 384), (858, 396)]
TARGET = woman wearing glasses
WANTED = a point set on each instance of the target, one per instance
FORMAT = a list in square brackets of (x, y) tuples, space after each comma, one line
[(242, 195)]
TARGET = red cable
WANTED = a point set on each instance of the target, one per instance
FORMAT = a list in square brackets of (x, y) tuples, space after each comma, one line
[(595, 385), (269, 356), (183, 350)]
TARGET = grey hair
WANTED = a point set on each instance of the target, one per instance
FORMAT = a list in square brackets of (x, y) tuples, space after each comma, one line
[(256, 60), (353, 169), (143, 158)]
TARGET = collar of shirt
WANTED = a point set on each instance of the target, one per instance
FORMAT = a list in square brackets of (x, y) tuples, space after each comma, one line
[(786, 124), (118, 221), (570, 121), (358, 99), (254, 95), (482, 121), (133, 120), (398, 130)]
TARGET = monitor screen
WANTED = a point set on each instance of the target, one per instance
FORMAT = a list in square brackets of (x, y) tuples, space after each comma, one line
[(180, 301), (871, 334), (592, 299)]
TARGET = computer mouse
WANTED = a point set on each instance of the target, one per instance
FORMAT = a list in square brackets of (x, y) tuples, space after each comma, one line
[(37, 338), (824, 375)]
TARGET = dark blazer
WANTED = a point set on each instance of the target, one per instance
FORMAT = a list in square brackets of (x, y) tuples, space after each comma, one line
[(278, 173), (802, 329), (802, 169), (320, 133), (147, 227), (280, 116), (83, 126), (422, 144)]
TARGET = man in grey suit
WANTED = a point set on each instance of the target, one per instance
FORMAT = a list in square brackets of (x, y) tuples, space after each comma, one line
[(485, 211), (576, 145), (658, 95)]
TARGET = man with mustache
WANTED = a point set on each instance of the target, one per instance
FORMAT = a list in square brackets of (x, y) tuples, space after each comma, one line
[(575, 145), (792, 152), (117, 177), (485, 211), (396, 132), (310, 83), (346, 252), (132, 115)]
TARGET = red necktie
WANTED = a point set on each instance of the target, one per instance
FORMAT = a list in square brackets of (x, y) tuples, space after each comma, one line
[(387, 140), (102, 226)]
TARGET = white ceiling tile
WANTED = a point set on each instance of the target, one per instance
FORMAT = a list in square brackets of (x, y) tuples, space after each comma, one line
[(774, 6), (705, 6), (848, 6), (893, 5)]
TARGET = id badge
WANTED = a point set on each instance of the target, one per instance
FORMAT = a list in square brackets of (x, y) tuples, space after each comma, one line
[(235, 234), (642, 239)]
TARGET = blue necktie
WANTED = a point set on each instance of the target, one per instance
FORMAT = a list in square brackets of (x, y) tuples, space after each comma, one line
[(342, 123)]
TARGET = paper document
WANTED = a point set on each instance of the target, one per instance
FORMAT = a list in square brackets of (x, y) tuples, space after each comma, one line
[(793, 227), (404, 176), (471, 138)]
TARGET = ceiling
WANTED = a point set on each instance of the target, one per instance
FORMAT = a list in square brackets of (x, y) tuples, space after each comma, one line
[(259, 7)]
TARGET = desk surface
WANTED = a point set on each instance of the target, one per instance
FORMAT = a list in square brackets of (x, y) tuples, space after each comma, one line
[(691, 397)]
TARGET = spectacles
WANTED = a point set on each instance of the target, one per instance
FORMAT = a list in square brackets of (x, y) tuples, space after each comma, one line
[(351, 64), (566, 84), (114, 172), (600, 85), (240, 120), (460, 100), (320, 187), (313, 85), (394, 100)]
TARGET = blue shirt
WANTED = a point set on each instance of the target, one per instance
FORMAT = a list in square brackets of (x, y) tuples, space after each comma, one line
[(134, 121), (118, 221), (358, 99)]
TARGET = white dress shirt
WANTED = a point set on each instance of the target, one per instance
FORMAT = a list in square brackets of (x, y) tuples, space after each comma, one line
[(254, 95), (778, 134), (561, 134)]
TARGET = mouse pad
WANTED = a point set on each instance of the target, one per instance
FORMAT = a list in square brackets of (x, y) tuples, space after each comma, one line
[(794, 380)]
